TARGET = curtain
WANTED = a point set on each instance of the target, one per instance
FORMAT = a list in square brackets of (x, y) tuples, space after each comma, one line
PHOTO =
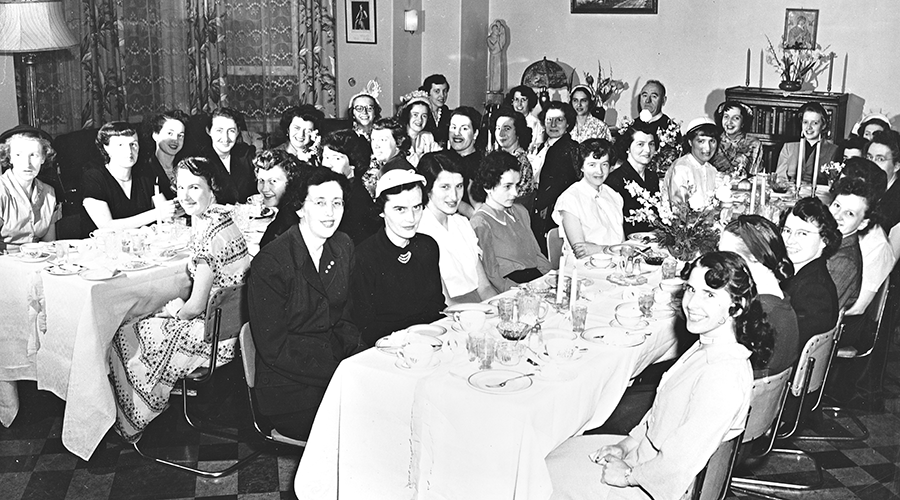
[(140, 57)]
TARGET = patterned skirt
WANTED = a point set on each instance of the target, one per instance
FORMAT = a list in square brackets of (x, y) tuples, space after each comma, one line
[(147, 357)]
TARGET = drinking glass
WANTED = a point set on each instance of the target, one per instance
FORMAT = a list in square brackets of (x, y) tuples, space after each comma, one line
[(530, 307), (668, 268), (471, 321), (506, 307), (62, 253), (579, 317), (487, 352), (645, 302)]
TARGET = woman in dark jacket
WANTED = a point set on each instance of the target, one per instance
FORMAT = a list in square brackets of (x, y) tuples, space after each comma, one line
[(299, 290)]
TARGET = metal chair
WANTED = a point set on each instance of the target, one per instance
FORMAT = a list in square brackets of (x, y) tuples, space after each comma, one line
[(712, 482), (248, 355), (809, 378), (850, 353), (554, 247), (226, 312)]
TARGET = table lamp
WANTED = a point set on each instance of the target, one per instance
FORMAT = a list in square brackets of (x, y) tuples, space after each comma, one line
[(28, 27)]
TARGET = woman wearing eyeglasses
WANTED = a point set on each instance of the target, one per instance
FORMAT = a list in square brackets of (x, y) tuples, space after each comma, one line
[(364, 110), (810, 236), (298, 294)]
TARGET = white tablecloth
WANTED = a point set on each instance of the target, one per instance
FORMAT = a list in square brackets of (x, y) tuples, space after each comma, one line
[(383, 432)]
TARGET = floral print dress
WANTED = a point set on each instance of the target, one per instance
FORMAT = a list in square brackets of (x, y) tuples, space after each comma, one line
[(150, 354)]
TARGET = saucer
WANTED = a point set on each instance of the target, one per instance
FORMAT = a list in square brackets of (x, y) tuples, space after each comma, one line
[(64, 269), (487, 309), (39, 258), (100, 274), (429, 330), (643, 237), (136, 265), (576, 355), (613, 336), (403, 366), (642, 324)]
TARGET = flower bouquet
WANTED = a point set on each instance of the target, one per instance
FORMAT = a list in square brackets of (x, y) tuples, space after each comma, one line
[(607, 89), (669, 149), (832, 171), (795, 62), (686, 230)]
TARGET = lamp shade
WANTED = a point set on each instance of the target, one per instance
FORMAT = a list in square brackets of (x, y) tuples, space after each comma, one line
[(33, 26), (410, 20)]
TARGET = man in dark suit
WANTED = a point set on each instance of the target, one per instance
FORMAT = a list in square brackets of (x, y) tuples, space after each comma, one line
[(560, 169)]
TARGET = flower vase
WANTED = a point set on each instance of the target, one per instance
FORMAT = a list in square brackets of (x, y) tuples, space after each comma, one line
[(790, 85), (683, 253)]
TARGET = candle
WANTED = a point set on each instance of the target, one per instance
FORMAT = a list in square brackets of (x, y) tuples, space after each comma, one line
[(752, 196), (760, 68), (559, 276), (573, 288), (830, 69), (763, 188), (816, 168), (800, 162), (747, 81), (844, 80)]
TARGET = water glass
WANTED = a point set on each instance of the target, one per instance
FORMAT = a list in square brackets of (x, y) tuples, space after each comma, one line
[(487, 352), (474, 345), (506, 307), (62, 253), (579, 317), (669, 266), (645, 302), (509, 352)]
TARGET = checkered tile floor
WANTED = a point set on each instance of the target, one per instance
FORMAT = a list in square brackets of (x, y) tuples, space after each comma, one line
[(35, 465)]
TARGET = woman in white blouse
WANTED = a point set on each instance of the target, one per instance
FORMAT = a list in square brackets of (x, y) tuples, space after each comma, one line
[(27, 206), (462, 275), (692, 179), (590, 212)]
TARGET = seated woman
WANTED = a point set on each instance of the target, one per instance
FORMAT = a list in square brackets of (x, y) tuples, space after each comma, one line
[(350, 155), (691, 179), (148, 354), (702, 401), (869, 125), (513, 135), (416, 116), (300, 124), (390, 145), (28, 210), (462, 275), (852, 207), (738, 154), (559, 170), (637, 144), (523, 100), (811, 236), (276, 171), (852, 147), (813, 145), (115, 196), (587, 126), (758, 241), (235, 158), (590, 213), (364, 111), (510, 253), (298, 295), (397, 280), (166, 131)]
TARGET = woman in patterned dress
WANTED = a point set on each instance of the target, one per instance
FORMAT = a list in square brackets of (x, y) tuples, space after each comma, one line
[(738, 154), (587, 126), (513, 135), (149, 354)]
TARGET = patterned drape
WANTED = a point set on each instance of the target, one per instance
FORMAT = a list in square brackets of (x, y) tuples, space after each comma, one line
[(139, 57)]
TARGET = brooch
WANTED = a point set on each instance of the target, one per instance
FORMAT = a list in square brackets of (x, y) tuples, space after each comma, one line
[(404, 257)]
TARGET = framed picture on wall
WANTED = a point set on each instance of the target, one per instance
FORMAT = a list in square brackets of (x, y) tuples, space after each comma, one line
[(614, 6), (360, 16), (801, 26)]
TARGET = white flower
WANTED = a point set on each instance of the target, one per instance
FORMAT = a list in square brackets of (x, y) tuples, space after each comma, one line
[(696, 202)]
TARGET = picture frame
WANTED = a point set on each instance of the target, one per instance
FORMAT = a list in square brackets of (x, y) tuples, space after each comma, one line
[(614, 7), (360, 21), (801, 28)]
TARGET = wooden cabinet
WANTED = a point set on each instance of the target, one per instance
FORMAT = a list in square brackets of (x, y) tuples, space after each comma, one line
[(775, 119)]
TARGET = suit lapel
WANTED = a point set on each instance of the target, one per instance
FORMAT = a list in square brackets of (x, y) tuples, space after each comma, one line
[(305, 263)]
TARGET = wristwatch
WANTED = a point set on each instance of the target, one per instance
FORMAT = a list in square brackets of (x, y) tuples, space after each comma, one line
[(628, 479)]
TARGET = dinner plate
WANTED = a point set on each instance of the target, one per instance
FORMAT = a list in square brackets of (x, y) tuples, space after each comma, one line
[(482, 379), (25, 258), (643, 237), (392, 343), (429, 330), (100, 274), (136, 265), (627, 279), (617, 249), (403, 366), (487, 309), (64, 269), (576, 355), (641, 324), (613, 336), (591, 265), (166, 255), (582, 281)]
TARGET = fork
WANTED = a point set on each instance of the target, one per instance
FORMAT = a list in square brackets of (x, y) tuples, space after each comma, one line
[(503, 384)]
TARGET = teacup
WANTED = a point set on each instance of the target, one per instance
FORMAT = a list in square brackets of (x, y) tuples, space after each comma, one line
[(559, 349), (416, 354), (601, 260), (471, 320), (629, 314), (32, 250), (671, 285)]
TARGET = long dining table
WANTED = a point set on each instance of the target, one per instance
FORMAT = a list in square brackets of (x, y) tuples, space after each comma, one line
[(57, 330), (387, 432)]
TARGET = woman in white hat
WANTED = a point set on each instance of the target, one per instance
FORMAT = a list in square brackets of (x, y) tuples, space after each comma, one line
[(397, 280), (692, 179)]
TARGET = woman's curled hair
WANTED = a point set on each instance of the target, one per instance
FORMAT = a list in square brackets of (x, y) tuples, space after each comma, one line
[(212, 174), (492, 168), (762, 239), (728, 271)]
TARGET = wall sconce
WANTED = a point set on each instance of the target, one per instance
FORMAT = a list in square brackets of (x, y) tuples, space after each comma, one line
[(410, 21)]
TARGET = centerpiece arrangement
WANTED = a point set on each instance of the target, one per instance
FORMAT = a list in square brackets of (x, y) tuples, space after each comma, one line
[(606, 91), (795, 62), (670, 145), (686, 230)]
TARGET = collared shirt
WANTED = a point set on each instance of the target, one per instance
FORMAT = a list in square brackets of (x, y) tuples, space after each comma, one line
[(598, 210), (687, 178), (23, 219), (459, 251)]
